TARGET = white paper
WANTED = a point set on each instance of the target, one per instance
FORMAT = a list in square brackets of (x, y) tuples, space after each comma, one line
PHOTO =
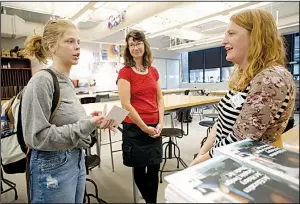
[(117, 114)]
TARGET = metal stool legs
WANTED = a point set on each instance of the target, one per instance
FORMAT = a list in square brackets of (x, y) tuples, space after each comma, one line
[(111, 152), (12, 186), (96, 195), (169, 145)]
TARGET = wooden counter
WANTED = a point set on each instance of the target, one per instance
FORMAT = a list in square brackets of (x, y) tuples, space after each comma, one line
[(219, 92), (289, 140), (172, 102), (111, 94)]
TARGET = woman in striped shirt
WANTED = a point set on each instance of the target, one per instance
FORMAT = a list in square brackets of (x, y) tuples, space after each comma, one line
[(262, 91)]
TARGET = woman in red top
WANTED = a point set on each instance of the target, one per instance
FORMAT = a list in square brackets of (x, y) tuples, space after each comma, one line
[(140, 94)]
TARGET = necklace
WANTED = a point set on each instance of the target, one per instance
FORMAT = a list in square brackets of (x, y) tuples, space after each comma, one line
[(140, 69)]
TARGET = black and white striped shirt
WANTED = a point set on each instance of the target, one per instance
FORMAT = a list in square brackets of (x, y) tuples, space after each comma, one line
[(226, 119)]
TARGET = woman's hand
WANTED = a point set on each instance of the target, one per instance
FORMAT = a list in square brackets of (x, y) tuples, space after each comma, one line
[(150, 131), (158, 128), (99, 120), (200, 158)]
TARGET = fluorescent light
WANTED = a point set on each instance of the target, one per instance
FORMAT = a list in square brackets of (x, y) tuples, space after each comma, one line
[(288, 26), (250, 7), (99, 4), (206, 20), (211, 41), (187, 45), (83, 17), (161, 33)]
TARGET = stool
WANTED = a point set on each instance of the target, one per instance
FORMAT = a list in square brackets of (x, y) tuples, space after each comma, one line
[(91, 161), (207, 123), (183, 113), (86, 100), (99, 97), (211, 115), (12, 185)]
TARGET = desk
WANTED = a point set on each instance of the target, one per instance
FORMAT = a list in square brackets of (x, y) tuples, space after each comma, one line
[(111, 95), (172, 103), (219, 92), (116, 93), (180, 90), (289, 140)]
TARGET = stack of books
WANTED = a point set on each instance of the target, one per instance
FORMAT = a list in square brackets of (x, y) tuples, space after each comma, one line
[(245, 171)]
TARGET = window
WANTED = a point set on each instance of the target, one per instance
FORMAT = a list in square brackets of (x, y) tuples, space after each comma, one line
[(226, 73), (161, 66), (296, 71), (212, 75), (196, 76), (295, 67), (288, 39), (196, 60), (185, 67), (213, 57), (296, 48)]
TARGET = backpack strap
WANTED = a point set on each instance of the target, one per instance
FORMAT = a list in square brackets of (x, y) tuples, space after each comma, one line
[(55, 104), (56, 94)]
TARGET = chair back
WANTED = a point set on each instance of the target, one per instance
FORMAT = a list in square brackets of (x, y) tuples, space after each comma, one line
[(99, 97), (103, 100), (184, 114), (86, 100)]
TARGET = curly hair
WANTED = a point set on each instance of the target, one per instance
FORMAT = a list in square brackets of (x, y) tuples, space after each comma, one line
[(147, 57)]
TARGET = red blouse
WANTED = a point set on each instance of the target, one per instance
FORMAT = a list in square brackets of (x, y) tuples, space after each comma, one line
[(143, 90)]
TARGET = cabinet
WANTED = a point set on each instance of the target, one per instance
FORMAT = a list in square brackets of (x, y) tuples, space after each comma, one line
[(15, 74)]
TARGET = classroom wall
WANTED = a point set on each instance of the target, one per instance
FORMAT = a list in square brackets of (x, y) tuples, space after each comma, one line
[(11, 43), (105, 74)]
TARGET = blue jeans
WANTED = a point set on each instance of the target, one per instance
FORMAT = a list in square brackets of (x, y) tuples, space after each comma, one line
[(57, 177)]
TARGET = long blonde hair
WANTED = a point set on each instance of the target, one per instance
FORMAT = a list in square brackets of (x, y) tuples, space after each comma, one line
[(266, 46), (37, 46)]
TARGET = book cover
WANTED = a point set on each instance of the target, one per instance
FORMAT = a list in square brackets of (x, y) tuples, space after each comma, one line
[(269, 159), (223, 180), (173, 195)]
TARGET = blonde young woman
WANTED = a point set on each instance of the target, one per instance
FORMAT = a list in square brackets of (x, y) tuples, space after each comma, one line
[(57, 164), (262, 91)]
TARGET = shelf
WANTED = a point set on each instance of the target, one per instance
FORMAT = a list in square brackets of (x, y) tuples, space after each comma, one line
[(15, 68), (17, 58)]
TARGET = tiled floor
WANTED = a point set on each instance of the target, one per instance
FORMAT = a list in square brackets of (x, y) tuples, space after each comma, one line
[(116, 187)]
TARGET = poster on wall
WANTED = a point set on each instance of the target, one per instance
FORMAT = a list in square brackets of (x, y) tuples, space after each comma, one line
[(104, 55), (115, 20), (114, 52)]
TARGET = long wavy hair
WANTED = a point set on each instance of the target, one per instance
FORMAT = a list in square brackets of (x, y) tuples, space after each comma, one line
[(147, 57), (267, 47)]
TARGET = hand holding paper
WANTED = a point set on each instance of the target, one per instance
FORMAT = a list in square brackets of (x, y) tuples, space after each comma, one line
[(101, 121), (117, 114)]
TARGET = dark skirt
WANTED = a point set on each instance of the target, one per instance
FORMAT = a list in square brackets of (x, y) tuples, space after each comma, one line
[(139, 149)]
